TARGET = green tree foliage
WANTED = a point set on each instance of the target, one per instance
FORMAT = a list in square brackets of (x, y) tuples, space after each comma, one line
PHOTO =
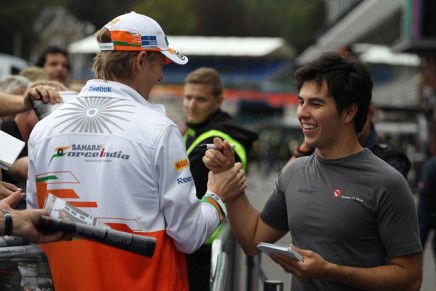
[(99, 12), (16, 22), (176, 17), (295, 20)]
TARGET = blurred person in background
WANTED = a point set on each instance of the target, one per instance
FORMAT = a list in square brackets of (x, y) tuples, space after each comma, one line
[(427, 204), (14, 104), (202, 98), (56, 63), (34, 73), (21, 127), (14, 85)]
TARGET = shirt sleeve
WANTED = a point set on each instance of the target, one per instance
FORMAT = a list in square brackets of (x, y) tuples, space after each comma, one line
[(274, 213), (188, 221), (31, 195), (397, 211)]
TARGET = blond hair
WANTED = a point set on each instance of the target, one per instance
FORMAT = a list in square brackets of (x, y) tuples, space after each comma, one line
[(34, 73), (57, 85), (115, 65), (205, 75)]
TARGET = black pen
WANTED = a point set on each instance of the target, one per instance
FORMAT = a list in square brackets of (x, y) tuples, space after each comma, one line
[(209, 146)]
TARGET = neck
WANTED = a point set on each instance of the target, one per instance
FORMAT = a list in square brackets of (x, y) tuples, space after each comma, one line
[(339, 153), (342, 146)]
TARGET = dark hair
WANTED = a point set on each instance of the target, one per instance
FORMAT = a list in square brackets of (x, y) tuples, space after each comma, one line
[(52, 50), (348, 82)]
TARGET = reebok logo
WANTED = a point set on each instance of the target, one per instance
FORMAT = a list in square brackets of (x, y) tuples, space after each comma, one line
[(184, 180), (104, 89)]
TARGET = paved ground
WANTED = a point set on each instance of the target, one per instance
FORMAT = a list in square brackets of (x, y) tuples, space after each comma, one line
[(259, 187)]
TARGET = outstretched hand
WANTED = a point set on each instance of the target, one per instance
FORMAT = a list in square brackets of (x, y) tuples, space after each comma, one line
[(13, 196), (45, 93), (228, 184), (26, 222), (28, 227), (7, 189), (220, 159), (312, 267)]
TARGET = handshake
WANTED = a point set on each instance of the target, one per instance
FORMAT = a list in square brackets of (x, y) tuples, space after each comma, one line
[(226, 178)]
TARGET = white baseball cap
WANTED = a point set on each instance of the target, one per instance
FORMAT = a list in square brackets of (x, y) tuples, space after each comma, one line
[(137, 32)]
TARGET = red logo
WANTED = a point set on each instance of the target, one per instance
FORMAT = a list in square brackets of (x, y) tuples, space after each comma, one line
[(337, 193)]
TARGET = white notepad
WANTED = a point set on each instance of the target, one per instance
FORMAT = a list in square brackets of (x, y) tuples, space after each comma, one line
[(10, 148)]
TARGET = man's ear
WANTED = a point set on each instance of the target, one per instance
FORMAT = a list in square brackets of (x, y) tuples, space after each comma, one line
[(139, 60), (220, 100), (350, 113)]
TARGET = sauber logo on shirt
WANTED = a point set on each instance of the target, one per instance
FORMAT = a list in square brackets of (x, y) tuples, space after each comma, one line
[(337, 193), (92, 152), (182, 164)]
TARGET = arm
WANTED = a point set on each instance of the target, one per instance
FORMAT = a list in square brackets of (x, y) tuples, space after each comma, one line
[(25, 222), (244, 219), (189, 221), (247, 226), (401, 273), (18, 170), (10, 104)]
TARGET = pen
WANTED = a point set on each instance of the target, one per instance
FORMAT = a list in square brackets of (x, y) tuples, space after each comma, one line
[(209, 146)]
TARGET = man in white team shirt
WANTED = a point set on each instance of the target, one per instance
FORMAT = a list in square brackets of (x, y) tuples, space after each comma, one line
[(119, 158)]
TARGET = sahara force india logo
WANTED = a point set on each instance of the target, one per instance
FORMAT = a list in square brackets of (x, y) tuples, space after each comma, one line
[(87, 151)]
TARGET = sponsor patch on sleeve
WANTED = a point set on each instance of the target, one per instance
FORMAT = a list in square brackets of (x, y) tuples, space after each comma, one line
[(182, 164)]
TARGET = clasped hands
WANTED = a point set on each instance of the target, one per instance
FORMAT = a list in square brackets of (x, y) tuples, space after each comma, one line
[(226, 178)]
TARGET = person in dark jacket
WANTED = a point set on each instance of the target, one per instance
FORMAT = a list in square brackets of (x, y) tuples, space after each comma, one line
[(203, 96), (427, 204)]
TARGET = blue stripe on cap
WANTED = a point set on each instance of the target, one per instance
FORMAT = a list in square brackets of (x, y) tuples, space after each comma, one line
[(148, 41)]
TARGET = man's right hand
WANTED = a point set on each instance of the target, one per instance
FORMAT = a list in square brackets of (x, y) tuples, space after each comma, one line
[(220, 159), (45, 93), (228, 184)]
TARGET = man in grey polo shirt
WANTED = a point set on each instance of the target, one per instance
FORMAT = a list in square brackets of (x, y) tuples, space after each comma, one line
[(351, 215)]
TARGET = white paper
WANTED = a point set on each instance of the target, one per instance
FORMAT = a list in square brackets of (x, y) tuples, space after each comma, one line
[(10, 148)]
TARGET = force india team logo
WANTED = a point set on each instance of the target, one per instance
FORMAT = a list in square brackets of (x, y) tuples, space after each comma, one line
[(87, 151)]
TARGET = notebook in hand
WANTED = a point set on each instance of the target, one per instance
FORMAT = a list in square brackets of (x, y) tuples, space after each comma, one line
[(10, 148), (279, 249)]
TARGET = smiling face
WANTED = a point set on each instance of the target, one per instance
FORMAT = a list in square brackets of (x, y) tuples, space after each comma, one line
[(199, 102), (323, 127)]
